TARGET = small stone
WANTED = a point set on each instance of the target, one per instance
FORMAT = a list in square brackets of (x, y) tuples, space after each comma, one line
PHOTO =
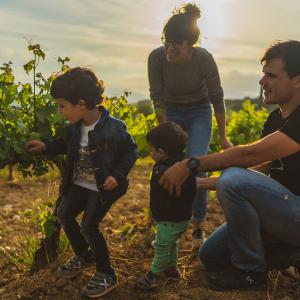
[(7, 207), (286, 298), (60, 283), (53, 291), (174, 297), (69, 289), (16, 218), (139, 186)]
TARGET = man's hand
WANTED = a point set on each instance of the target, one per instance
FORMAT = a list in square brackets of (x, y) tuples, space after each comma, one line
[(225, 143), (175, 176), (206, 183), (110, 183), (35, 146)]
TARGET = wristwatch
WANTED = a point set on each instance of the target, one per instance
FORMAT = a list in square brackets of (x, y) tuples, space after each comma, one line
[(193, 164)]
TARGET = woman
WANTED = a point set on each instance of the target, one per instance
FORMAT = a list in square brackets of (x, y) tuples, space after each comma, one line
[(184, 81)]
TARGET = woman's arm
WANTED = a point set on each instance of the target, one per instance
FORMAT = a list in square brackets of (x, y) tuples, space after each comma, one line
[(221, 121), (155, 78)]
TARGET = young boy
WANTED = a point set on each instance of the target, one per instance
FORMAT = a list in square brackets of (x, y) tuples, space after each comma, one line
[(100, 154), (167, 142)]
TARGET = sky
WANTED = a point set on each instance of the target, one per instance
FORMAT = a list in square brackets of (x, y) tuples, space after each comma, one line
[(115, 37)]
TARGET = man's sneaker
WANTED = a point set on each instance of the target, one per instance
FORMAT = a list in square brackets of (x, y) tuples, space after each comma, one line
[(198, 236), (99, 285), (235, 279), (172, 274), (74, 266), (148, 282)]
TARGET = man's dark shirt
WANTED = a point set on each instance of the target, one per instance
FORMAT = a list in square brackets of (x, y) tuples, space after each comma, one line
[(171, 208), (285, 170)]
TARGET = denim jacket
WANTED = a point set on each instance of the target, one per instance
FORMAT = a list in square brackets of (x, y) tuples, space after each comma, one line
[(112, 149)]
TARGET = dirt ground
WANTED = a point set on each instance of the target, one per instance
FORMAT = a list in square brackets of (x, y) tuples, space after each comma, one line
[(128, 230)]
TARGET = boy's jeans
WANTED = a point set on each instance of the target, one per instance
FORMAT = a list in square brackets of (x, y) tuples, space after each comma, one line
[(259, 211), (80, 199), (197, 121), (167, 234)]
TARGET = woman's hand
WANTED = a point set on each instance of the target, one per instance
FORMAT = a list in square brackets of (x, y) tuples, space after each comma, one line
[(206, 183), (35, 146), (175, 176), (110, 183), (225, 143)]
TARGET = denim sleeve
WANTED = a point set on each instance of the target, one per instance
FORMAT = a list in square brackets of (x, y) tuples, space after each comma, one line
[(127, 155), (59, 145), (56, 147)]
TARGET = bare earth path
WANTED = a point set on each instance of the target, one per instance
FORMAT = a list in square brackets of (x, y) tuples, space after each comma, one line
[(129, 234)]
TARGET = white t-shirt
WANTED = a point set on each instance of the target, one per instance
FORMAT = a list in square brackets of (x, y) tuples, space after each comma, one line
[(83, 170)]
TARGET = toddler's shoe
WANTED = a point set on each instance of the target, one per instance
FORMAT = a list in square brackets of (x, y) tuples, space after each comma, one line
[(99, 285), (74, 266), (148, 282)]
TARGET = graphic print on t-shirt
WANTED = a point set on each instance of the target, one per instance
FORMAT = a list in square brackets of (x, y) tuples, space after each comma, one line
[(277, 165), (84, 170)]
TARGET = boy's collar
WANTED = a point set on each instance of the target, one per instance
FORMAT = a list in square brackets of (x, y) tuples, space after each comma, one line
[(104, 115), (173, 158)]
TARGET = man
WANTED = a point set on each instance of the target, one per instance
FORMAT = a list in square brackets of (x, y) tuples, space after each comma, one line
[(262, 212)]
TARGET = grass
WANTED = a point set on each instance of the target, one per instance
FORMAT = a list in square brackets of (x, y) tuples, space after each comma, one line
[(23, 253)]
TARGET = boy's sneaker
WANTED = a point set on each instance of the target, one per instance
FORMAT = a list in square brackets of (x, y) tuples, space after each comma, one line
[(148, 282), (99, 285), (235, 279), (74, 266), (172, 274), (198, 236)]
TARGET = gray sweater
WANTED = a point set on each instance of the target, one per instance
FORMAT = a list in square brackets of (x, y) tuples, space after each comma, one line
[(196, 82)]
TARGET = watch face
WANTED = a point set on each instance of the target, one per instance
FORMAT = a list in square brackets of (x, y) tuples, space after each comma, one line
[(193, 164)]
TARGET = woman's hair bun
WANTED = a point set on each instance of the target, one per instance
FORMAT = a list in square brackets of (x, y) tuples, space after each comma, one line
[(191, 10)]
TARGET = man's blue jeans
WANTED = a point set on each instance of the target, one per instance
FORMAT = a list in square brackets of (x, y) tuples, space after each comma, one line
[(259, 212), (197, 122)]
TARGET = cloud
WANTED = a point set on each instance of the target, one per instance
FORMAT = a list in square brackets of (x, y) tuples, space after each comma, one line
[(236, 83)]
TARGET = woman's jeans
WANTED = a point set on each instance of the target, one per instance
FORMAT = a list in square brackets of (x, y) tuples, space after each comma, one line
[(263, 224), (197, 121), (86, 235)]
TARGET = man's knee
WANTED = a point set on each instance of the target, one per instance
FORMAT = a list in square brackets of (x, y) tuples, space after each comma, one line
[(230, 177)]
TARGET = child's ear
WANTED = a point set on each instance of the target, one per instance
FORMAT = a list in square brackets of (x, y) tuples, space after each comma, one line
[(296, 81), (82, 103), (162, 152)]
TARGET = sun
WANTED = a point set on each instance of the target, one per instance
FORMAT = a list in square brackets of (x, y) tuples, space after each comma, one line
[(212, 23)]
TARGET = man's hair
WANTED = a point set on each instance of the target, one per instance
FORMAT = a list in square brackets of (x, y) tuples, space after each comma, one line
[(76, 84), (169, 137), (289, 52), (182, 25)]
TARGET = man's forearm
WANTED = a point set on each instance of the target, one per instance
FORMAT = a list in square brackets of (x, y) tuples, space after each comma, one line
[(239, 156)]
